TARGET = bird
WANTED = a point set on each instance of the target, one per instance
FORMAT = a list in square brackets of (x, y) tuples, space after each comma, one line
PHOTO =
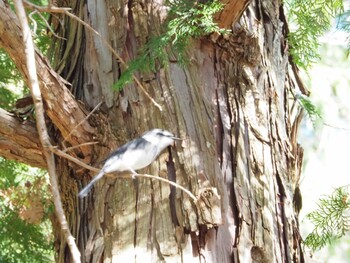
[(134, 155)]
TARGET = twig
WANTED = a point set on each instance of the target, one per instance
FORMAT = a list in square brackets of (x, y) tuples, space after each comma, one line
[(35, 26), (168, 182), (49, 9), (89, 167), (41, 127), (81, 122), (49, 27), (73, 159), (65, 11), (78, 146), (336, 127)]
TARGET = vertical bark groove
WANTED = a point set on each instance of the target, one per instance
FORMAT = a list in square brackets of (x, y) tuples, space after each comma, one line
[(240, 156)]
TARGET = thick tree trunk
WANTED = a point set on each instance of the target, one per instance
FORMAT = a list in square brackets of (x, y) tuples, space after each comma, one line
[(240, 157)]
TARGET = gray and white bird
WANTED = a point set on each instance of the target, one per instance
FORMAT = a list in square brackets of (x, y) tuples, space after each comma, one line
[(134, 155)]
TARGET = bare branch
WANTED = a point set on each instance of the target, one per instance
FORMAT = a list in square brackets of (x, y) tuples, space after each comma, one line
[(79, 145), (153, 177), (49, 9), (232, 11), (73, 159), (49, 27), (41, 127), (168, 182), (35, 24)]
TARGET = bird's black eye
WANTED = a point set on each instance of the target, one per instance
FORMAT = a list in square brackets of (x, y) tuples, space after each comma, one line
[(163, 134)]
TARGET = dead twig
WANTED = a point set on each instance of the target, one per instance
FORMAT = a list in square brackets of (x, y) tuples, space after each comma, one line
[(73, 159), (79, 145), (81, 122), (48, 26), (42, 129), (49, 9), (153, 177)]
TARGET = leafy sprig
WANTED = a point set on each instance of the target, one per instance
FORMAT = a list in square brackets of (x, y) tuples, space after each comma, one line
[(186, 20), (310, 19), (312, 111), (331, 219)]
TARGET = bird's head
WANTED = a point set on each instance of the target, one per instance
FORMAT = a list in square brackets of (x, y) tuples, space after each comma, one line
[(159, 137)]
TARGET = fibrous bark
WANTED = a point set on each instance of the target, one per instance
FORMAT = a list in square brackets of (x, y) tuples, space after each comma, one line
[(63, 110), (19, 140), (240, 157)]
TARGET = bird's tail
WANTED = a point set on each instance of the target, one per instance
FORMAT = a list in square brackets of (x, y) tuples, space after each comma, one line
[(88, 187)]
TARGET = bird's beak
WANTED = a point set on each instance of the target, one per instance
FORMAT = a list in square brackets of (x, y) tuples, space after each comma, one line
[(176, 139)]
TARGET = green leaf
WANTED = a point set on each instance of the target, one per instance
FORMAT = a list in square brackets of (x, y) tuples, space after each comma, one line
[(331, 220)]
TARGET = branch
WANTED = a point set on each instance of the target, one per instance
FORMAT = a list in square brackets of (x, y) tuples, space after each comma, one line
[(41, 127), (232, 11), (95, 170), (168, 182), (62, 108), (20, 141)]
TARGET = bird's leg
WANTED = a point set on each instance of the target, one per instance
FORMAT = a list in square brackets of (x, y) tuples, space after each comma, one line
[(133, 173)]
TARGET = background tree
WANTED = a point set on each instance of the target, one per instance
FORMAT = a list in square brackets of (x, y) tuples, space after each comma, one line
[(231, 98)]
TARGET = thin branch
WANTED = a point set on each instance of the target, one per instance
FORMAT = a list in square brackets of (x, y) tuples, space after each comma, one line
[(168, 182), (35, 25), (41, 127), (89, 167), (49, 27), (79, 145), (65, 11), (82, 121), (335, 127), (49, 9), (73, 159)]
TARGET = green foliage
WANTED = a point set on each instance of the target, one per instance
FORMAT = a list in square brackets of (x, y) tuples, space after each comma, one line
[(11, 81), (311, 110), (9, 75), (331, 219), (25, 231), (186, 20), (311, 18), (23, 242)]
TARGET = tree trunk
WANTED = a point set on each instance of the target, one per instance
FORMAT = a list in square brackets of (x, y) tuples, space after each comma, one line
[(240, 158)]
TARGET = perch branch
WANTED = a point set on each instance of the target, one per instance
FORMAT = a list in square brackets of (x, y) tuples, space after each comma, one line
[(89, 167), (41, 127)]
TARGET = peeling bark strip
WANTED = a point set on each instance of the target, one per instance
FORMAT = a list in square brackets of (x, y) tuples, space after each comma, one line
[(252, 70), (233, 9), (240, 157)]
